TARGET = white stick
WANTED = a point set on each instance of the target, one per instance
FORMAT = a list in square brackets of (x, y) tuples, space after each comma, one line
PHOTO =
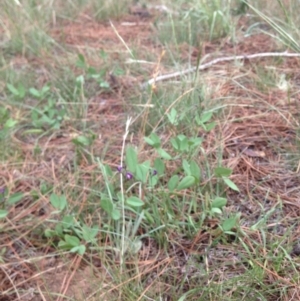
[(216, 61)]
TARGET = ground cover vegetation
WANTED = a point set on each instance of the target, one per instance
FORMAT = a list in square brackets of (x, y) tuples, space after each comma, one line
[(118, 183)]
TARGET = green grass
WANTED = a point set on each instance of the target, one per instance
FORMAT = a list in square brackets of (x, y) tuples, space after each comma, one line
[(184, 190)]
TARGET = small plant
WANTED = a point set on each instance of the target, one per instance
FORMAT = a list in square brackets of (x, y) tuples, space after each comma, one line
[(7, 122), (140, 180), (92, 74), (173, 117), (203, 120), (73, 235), (40, 94), (7, 200), (84, 140), (50, 116), (227, 223), (223, 173), (18, 92)]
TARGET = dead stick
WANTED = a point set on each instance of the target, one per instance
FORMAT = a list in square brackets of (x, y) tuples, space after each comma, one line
[(216, 61)]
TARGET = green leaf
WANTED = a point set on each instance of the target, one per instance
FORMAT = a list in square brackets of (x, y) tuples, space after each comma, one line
[(172, 116), (59, 229), (63, 245), (104, 84), (45, 89), (142, 171), (82, 140), (195, 141), (230, 184), (3, 213), (159, 166), (72, 240), (186, 167), (131, 159), (134, 201), (88, 233), (162, 153), (80, 80), (210, 126), (34, 115), (180, 143), (116, 214), (186, 182), (110, 188), (68, 221), (15, 198), (153, 140), (58, 201), (216, 210), (108, 170), (49, 233), (219, 202), (10, 123), (153, 180), (205, 117), (34, 92), (149, 141), (183, 142), (91, 71), (175, 144), (172, 184), (195, 170), (78, 249), (13, 90), (222, 172), (21, 90), (229, 223), (107, 205)]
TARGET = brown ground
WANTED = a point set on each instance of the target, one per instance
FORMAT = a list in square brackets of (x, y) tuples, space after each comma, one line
[(260, 130)]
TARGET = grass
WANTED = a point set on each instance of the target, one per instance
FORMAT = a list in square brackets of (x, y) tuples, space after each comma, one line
[(183, 190)]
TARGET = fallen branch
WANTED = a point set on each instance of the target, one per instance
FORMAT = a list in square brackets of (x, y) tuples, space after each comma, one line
[(216, 61)]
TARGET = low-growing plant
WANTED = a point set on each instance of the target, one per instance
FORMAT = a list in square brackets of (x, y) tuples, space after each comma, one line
[(18, 91), (144, 180), (90, 73), (50, 116), (72, 235), (7, 122), (7, 200)]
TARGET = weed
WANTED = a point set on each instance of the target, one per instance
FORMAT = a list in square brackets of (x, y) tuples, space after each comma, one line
[(73, 236)]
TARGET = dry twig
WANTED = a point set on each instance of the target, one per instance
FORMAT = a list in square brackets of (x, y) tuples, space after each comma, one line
[(216, 61)]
